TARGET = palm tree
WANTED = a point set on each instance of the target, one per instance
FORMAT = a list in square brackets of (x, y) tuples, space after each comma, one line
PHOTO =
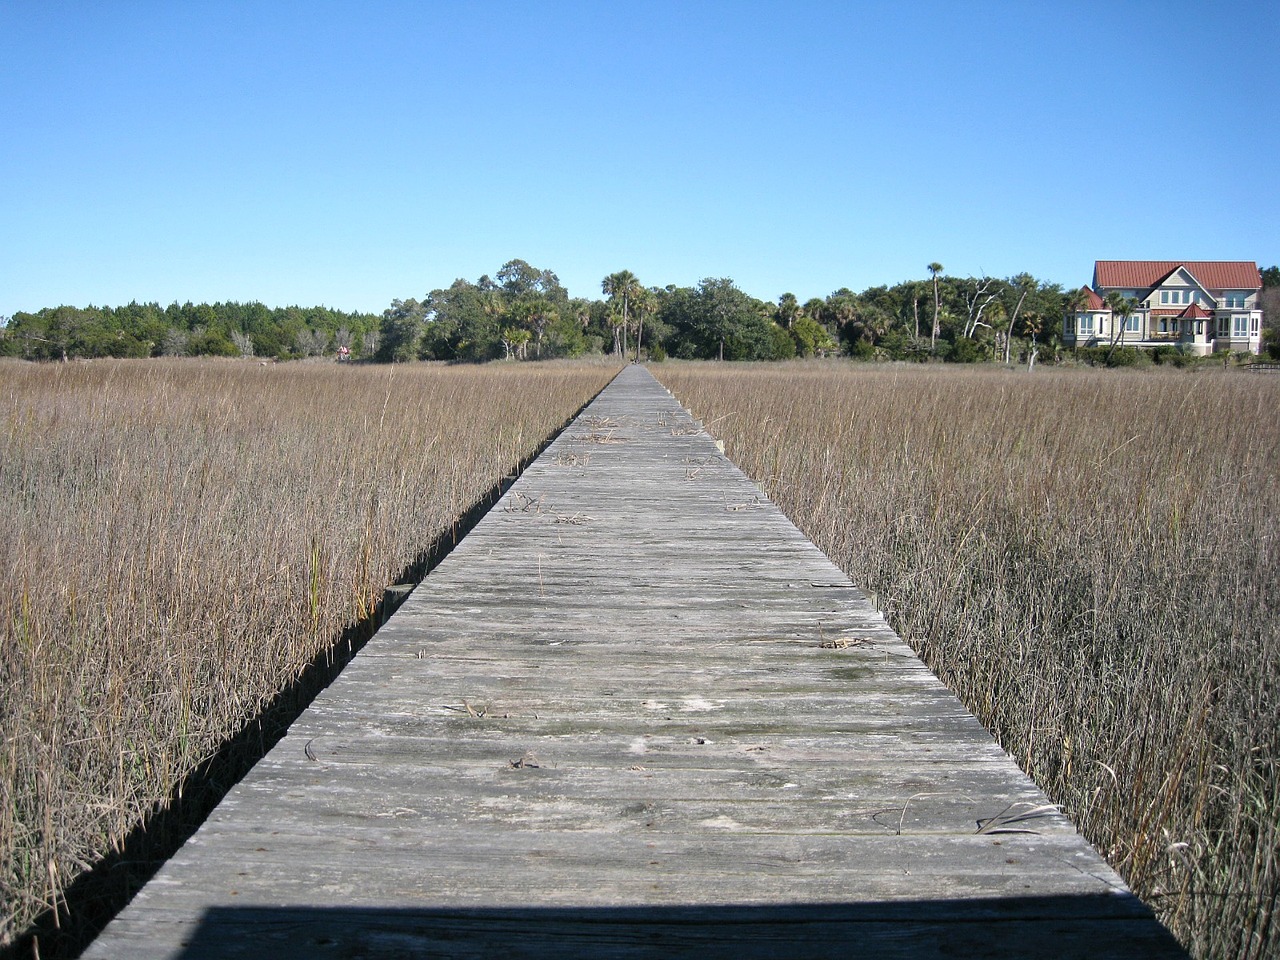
[(622, 286), (813, 309), (1121, 310), (646, 305), (934, 268), (788, 309), (914, 289), (1075, 301), (534, 313)]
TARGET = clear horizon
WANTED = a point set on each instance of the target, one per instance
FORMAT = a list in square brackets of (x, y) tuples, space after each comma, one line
[(349, 155)]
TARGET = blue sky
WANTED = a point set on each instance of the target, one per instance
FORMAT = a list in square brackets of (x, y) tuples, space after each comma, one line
[(351, 153)]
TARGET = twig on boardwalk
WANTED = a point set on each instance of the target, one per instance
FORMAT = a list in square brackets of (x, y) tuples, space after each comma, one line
[(843, 643), (523, 503), (1016, 813), (468, 710)]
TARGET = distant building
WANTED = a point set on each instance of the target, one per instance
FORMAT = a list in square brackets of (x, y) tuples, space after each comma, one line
[(1202, 305)]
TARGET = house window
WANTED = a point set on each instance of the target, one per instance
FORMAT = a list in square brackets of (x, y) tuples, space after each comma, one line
[(1235, 299), (1222, 326), (1164, 296), (1199, 328), (1253, 327), (1086, 325), (1239, 325), (1132, 323)]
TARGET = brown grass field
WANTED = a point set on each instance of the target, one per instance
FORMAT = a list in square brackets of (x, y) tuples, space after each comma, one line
[(1091, 560), (182, 538)]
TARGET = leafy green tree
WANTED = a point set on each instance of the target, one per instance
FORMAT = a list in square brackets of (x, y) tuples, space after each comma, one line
[(727, 317), (812, 338), (518, 279), (782, 346), (463, 322), (401, 331)]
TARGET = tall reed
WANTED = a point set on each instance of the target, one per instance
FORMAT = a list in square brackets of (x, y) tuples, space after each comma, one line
[(1090, 559), (181, 539)]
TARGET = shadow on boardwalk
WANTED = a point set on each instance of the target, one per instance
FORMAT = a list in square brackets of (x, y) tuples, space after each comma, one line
[(1001, 928)]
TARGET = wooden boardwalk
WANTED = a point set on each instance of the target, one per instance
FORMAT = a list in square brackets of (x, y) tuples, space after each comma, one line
[(635, 713)]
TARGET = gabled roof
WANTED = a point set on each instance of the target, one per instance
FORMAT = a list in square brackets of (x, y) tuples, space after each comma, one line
[(1092, 300), (1194, 312), (1213, 274)]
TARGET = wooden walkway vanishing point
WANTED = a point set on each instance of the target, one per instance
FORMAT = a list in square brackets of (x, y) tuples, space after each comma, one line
[(635, 713)]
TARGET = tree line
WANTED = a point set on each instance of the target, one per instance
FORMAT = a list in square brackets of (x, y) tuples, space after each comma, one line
[(525, 313), (150, 330)]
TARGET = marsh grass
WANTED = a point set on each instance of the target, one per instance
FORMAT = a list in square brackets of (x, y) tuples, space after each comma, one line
[(1090, 559), (181, 539)]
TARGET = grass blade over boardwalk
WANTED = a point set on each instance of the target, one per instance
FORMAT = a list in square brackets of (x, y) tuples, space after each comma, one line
[(635, 712)]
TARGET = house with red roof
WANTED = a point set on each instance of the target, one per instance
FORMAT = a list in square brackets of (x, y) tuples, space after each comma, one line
[(1204, 306)]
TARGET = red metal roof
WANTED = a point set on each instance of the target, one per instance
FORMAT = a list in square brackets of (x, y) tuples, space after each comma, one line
[(1214, 274), (1194, 312), (1093, 301)]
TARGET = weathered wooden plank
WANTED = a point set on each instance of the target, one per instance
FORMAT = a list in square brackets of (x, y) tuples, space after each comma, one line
[(635, 714)]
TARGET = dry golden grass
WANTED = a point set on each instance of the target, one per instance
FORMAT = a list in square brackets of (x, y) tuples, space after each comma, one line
[(181, 539), (1090, 559)]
